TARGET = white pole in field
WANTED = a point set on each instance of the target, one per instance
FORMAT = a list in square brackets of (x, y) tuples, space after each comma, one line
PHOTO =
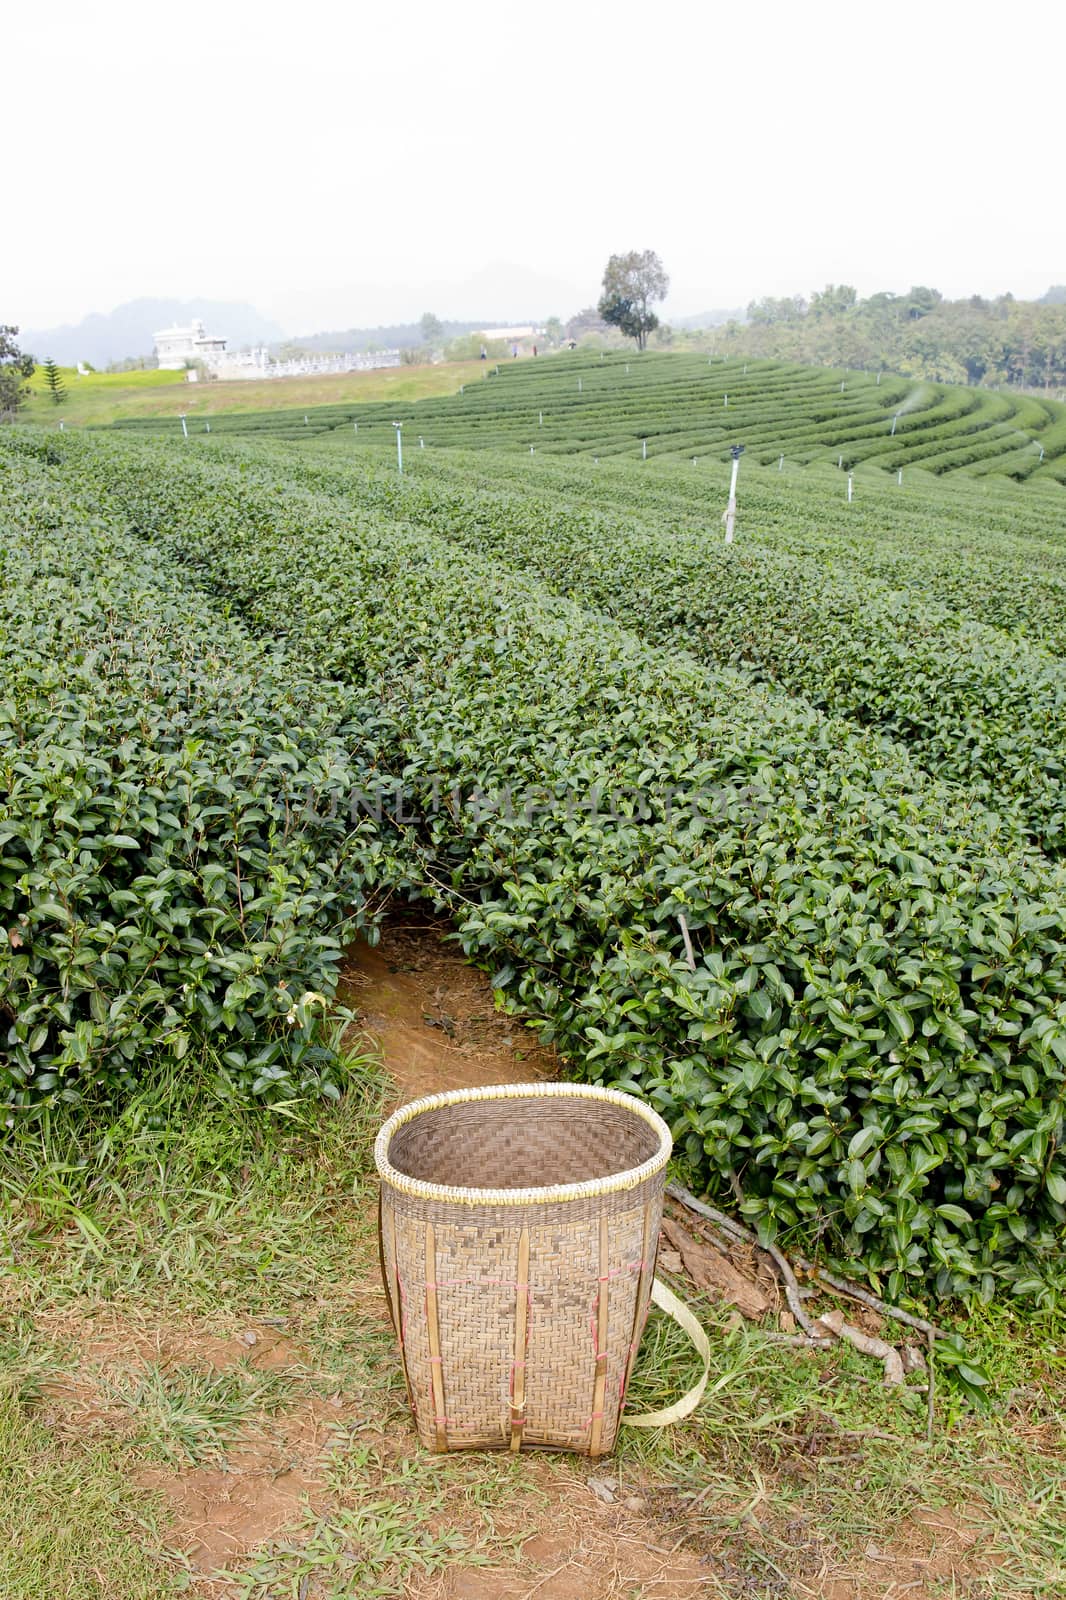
[(579, 386), (306, 423), (781, 464), (899, 476), (842, 386), (462, 386), (895, 419), (840, 462), (627, 366), (531, 449), (355, 425), (1041, 452), (731, 509), (540, 419), (207, 427), (644, 449), (184, 429), (745, 369), (62, 430), (878, 380), (595, 461), (693, 460), (399, 445), (421, 442), (849, 488), (725, 400)]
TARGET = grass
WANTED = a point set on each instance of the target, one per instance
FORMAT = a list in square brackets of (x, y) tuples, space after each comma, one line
[(103, 398), (140, 1248)]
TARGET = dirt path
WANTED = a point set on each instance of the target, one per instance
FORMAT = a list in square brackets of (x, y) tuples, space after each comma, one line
[(433, 1015)]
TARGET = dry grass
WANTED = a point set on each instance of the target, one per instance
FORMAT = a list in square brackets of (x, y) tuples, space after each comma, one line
[(106, 397)]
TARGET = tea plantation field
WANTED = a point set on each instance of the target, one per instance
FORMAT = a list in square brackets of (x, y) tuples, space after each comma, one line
[(679, 406), (772, 834)]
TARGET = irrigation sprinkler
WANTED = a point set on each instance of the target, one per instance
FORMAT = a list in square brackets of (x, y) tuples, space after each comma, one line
[(850, 481), (399, 445), (184, 429), (730, 516)]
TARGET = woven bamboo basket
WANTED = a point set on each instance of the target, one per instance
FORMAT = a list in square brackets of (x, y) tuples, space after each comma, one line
[(519, 1228)]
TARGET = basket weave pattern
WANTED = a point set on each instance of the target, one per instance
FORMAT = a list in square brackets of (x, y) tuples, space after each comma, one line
[(519, 1228)]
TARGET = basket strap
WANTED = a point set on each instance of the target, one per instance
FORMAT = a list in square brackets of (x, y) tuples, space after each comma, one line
[(668, 1301)]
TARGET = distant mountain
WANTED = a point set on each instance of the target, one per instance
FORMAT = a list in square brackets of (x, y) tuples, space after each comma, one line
[(709, 319), (1056, 296), (129, 330), (390, 336)]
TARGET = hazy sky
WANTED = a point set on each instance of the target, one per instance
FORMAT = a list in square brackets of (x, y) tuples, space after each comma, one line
[(343, 166)]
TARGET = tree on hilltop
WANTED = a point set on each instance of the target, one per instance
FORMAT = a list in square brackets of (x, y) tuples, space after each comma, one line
[(432, 329), (15, 368), (631, 282)]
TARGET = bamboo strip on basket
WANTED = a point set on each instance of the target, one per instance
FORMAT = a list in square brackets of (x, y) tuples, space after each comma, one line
[(433, 1330), (647, 1267), (521, 1323), (599, 1391)]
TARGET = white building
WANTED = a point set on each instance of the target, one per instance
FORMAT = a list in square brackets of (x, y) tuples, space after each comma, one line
[(174, 347)]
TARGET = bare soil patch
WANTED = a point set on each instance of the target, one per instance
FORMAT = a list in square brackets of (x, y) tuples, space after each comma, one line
[(433, 1014)]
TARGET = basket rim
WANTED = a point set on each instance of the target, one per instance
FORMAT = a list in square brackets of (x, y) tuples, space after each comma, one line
[(613, 1183)]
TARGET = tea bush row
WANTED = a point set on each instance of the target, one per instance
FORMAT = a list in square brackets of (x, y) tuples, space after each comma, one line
[(163, 896)]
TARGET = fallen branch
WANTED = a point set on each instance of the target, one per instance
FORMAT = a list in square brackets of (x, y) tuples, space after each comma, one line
[(866, 1298), (833, 1322)]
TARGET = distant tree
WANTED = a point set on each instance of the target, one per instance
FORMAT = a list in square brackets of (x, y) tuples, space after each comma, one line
[(585, 321), (553, 330), (770, 310), (15, 368), (631, 282), (432, 329), (833, 299), (54, 379)]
